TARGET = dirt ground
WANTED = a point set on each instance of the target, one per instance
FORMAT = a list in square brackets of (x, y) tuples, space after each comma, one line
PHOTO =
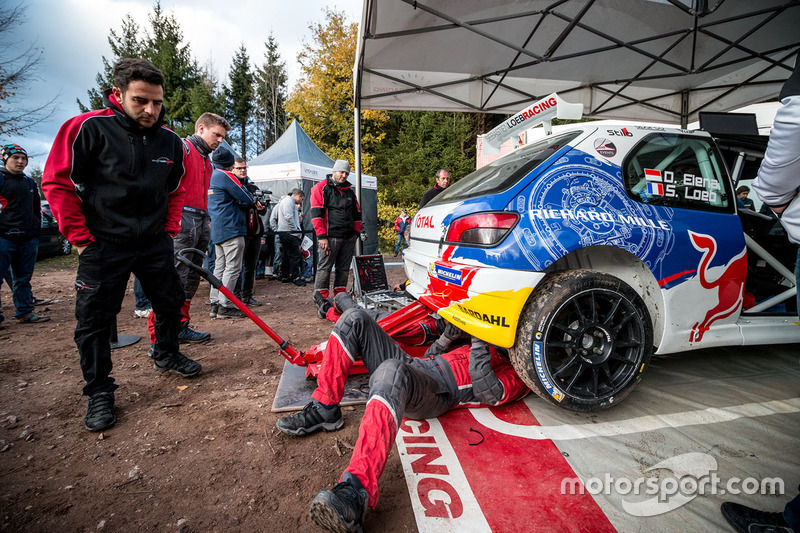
[(199, 454)]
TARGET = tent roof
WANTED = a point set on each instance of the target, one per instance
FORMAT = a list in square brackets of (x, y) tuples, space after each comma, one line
[(294, 145), (657, 60)]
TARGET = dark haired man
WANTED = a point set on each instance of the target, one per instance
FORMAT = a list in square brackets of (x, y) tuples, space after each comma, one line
[(113, 180), (20, 223), (209, 131)]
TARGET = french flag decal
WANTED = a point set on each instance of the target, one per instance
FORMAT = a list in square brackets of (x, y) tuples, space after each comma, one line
[(655, 188), (652, 175)]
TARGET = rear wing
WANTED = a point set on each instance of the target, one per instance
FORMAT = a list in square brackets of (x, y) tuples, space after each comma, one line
[(541, 112)]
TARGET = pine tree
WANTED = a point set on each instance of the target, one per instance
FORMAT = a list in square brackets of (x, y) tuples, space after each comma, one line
[(125, 44), (323, 98), (239, 96), (164, 48), (270, 90)]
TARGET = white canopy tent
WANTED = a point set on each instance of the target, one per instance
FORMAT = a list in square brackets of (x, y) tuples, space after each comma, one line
[(655, 60), (294, 160)]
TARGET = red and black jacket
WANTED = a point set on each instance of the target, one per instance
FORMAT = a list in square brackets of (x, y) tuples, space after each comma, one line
[(107, 178), (197, 178), (334, 210)]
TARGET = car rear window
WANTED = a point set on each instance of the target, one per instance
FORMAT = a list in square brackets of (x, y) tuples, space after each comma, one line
[(498, 176)]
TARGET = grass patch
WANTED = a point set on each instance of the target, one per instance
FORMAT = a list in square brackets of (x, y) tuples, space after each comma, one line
[(58, 262)]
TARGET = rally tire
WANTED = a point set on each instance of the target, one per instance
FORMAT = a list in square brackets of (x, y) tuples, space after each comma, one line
[(584, 340)]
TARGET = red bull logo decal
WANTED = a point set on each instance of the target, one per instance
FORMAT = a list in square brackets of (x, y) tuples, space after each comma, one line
[(728, 287)]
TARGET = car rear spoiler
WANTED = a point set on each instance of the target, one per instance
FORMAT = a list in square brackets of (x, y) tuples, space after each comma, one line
[(541, 112)]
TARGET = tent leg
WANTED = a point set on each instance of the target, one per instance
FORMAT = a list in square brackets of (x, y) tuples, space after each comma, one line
[(357, 157)]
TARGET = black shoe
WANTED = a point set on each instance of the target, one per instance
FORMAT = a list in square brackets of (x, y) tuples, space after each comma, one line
[(32, 318), (214, 311), (322, 305), (188, 335), (100, 415), (343, 508), (178, 363), (299, 282), (252, 301), (748, 520), (313, 417), (229, 312)]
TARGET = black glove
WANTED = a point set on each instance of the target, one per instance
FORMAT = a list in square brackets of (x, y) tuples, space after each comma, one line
[(485, 385)]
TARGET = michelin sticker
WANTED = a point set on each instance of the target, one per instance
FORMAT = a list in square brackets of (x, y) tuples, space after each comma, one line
[(537, 360), (449, 275)]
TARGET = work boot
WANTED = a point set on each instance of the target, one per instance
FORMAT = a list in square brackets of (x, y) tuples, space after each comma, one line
[(748, 520), (178, 363), (214, 310), (32, 318), (343, 508), (322, 305), (313, 417), (251, 301), (188, 335), (229, 312), (100, 415)]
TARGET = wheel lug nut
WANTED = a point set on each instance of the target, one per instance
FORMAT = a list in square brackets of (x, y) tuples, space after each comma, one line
[(598, 333), (597, 351)]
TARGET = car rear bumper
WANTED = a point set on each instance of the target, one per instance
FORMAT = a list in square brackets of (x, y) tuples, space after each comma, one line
[(485, 302)]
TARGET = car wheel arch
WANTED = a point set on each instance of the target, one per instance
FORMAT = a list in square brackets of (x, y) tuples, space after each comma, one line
[(628, 268)]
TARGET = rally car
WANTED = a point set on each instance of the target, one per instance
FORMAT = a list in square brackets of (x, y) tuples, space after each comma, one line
[(586, 252)]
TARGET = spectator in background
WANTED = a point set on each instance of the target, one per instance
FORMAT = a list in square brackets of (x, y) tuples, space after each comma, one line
[(400, 226), (277, 260), (142, 307), (20, 225), (209, 131), (252, 241), (336, 217), (742, 201), (289, 232), (442, 182), (113, 180), (228, 202)]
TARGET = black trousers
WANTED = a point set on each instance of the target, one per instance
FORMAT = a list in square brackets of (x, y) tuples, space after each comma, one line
[(252, 249), (104, 268), (292, 258)]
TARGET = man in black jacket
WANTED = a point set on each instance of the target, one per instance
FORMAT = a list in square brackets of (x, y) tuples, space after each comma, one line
[(113, 180), (20, 223), (442, 182)]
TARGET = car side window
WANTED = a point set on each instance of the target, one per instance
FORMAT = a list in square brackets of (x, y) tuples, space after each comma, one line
[(677, 170), (48, 221)]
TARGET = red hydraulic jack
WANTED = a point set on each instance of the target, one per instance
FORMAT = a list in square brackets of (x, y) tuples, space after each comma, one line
[(311, 358)]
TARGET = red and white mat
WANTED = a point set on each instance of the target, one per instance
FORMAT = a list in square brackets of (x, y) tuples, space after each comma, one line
[(703, 428)]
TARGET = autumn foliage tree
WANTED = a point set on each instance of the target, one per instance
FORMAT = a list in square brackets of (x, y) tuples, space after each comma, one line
[(323, 99)]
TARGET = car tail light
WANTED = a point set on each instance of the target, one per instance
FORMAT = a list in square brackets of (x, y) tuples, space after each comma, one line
[(483, 229)]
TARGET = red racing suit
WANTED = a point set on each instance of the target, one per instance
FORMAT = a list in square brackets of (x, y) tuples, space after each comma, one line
[(467, 376)]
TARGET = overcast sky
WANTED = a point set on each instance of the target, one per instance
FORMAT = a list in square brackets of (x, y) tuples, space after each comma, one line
[(73, 36)]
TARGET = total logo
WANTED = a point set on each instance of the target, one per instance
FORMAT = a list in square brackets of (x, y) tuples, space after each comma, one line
[(624, 132), (424, 222)]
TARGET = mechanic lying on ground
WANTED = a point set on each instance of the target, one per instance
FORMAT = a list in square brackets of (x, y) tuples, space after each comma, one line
[(464, 375)]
